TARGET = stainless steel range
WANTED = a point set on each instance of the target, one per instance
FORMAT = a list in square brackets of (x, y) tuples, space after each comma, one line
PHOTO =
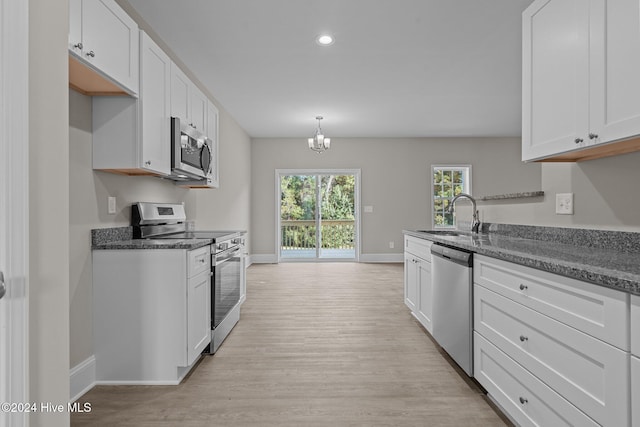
[(168, 221)]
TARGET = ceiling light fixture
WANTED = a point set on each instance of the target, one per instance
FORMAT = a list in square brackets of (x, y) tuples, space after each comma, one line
[(325, 40), (319, 143)]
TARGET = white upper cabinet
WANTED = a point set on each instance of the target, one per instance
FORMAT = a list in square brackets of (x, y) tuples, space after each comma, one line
[(581, 77), (211, 131), (155, 108), (133, 136), (187, 101), (103, 37), (615, 71), (555, 70)]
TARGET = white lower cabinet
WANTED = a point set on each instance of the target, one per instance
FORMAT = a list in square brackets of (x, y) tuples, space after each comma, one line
[(152, 313), (635, 391), (554, 330), (527, 400), (417, 279)]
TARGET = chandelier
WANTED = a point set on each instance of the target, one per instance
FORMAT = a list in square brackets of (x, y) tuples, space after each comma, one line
[(319, 143)]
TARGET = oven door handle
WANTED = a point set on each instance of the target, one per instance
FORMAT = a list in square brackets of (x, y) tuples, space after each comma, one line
[(226, 256)]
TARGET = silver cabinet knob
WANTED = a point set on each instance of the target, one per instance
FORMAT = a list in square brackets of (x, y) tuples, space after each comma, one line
[(593, 136), (523, 287), (523, 400), (78, 46), (147, 163), (91, 54), (523, 338), (578, 140), (3, 288)]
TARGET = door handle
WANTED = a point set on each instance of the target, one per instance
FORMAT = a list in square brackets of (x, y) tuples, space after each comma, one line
[(3, 288)]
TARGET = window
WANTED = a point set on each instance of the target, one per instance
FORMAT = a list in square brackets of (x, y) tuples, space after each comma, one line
[(446, 183)]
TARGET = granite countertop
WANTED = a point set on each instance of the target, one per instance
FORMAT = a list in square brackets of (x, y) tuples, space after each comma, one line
[(614, 265), (188, 244), (122, 238)]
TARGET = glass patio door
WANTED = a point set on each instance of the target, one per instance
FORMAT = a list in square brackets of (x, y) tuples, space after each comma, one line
[(317, 216)]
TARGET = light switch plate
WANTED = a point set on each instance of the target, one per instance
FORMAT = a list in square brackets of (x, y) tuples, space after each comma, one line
[(368, 209), (111, 205), (564, 203)]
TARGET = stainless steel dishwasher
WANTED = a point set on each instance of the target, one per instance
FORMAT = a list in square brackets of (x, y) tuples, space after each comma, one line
[(452, 274)]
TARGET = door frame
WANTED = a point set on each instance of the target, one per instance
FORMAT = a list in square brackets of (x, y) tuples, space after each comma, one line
[(355, 172), (14, 204)]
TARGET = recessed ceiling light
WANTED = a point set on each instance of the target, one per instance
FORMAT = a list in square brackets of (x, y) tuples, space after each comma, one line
[(325, 40)]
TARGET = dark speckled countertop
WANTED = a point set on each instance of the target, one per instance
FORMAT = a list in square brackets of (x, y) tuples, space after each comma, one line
[(122, 238), (606, 258)]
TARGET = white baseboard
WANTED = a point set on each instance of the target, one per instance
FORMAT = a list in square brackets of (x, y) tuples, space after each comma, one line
[(264, 258), (273, 258), (381, 257), (82, 378)]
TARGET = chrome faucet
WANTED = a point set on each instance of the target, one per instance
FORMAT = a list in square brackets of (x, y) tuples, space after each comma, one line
[(475, 224)]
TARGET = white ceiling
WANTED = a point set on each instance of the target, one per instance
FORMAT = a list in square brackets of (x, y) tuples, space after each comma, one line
[(398, 68)]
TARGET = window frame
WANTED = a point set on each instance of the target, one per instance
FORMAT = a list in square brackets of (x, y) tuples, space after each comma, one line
[(466, 170)]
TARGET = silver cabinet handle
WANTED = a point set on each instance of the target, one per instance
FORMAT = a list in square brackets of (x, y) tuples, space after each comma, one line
[(593, 135), (523, 287), (523, 400), (78, 46), (523, 338), (147, 163), (91, 54), (3, 288), (578, 140)]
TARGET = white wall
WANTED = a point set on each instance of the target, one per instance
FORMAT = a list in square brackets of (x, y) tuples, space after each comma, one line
[(48, 209), (606, 196), (395, 179)]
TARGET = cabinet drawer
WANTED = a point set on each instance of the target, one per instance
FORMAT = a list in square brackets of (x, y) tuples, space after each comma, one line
[(198, 260), (635, 325), (635, 391), (598, 311), (526, 399), (592, 375), (418, 247)]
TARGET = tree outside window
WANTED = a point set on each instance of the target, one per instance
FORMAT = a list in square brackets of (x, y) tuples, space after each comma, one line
[(446, 183)]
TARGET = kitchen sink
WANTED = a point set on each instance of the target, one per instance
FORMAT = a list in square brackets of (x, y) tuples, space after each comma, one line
[(442, 232)]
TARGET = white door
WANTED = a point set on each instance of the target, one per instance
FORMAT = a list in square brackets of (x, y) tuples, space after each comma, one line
[(14, 31)]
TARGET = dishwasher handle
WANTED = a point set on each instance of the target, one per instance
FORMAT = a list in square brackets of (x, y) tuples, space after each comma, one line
[(454, 255)]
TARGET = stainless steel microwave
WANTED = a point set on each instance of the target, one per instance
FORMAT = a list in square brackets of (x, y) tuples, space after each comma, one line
[(191, 153)]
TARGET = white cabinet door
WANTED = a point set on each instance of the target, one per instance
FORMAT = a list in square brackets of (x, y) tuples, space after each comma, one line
[(187, 101), (635, 391), (212, 134), (555, 92), (75, 26), (198, 106), (410, 281), (155, 106), (425, 293), (198, 315), (635, 325), (615, 71), (179, 93), (109, 41)]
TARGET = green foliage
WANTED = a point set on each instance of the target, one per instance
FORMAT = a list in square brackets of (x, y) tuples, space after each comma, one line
[(298, 203)]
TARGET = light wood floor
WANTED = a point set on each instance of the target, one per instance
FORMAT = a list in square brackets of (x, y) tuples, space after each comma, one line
[(326, 344)]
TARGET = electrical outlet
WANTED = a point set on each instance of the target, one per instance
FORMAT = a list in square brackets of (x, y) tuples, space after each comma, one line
[(111, 205), (564, 204), (368, 209), (392, 245)]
